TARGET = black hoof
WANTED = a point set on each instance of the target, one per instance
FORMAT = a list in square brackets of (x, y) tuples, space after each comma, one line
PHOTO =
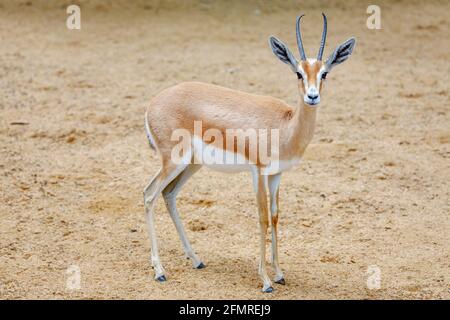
[(268, 290), (281, 281), (200, 266), (161, 278)]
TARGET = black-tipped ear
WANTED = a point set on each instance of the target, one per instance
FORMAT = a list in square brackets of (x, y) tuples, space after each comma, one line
[(283, 53), (342, 53)]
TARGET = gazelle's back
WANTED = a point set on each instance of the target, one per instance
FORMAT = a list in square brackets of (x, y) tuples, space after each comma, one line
[(225, 108)]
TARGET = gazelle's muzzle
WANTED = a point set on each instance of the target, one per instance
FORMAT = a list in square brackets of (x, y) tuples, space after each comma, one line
[(312, 96)]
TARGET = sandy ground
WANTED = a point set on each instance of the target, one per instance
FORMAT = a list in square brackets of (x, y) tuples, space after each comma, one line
[(373, 189)]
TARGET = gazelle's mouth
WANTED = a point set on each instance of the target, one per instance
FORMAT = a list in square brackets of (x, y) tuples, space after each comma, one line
[(311, 102)]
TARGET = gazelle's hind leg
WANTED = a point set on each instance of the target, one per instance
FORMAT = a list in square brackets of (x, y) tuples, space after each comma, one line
[(151, 194), (170, 194)]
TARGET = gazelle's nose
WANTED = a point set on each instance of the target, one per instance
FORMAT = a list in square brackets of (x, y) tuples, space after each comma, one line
[(313, 93), (313, 96)]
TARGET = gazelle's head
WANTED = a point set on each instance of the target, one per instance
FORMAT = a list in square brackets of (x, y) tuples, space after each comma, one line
[(311, 73)]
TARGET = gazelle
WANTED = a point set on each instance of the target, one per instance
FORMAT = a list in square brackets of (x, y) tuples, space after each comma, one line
[(221, 108)]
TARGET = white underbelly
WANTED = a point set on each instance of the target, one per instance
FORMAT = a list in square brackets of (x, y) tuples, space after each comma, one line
[(274, 167), (228, 162), (229, 168), (278, 166)]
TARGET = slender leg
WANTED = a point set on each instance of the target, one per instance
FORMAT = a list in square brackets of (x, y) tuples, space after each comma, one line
[(151, 193), (274, 184), (169, 194), (261, 197)]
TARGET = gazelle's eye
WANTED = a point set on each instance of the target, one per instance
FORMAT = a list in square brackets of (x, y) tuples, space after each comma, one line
[(324, 75), (299, 76)]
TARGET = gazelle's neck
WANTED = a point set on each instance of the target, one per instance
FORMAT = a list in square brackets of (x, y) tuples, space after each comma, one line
[(301, 127)]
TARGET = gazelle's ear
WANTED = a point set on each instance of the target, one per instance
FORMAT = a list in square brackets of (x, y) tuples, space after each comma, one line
[(342, 53), (283, 53)]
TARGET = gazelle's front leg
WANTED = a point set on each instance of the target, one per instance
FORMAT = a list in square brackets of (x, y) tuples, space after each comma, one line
[(274, 185), (261, 197)]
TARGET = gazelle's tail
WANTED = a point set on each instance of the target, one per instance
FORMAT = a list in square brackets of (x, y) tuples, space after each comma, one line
[(151, 141)]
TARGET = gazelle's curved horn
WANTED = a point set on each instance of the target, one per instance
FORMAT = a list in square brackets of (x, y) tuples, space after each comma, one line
[(301, 50), (324, 38)]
